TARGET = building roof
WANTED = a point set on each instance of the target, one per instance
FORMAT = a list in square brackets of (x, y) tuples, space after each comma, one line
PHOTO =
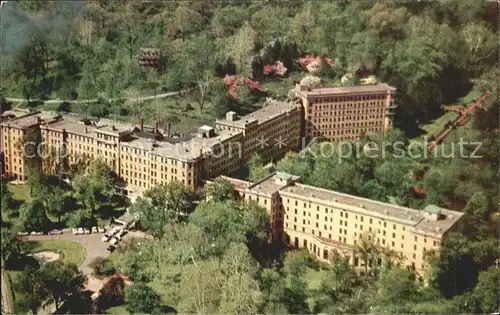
[(271, 109), (408, 216), (31, 119), (186, 150), (356, 89), (432, 209)]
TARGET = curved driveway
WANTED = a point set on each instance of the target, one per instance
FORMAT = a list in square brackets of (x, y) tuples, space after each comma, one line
[(91, 242)]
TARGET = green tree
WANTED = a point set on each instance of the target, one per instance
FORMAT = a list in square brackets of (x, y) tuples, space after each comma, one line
[(200, 288), (241, 47), (240, 288), (199, 62), (396, 286), (141, 299), (227, 20), (10, 245), (295, 266), (62, 280), (7, 200), (94, 187), (230, 222), (273, 292), (220, 190), (367, 250), (33, 217), (30, 65), (336, 287), (256, 168), (165, 203), (32, 289), (112, 293), (55, 202), (88, 84), (486, 290)]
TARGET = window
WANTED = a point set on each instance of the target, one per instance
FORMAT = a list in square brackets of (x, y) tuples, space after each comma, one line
[(415, 238), (414, 247)]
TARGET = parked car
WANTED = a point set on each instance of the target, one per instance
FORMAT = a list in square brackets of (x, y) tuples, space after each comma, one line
[(94, 229), (22, 233), (81, 231), (55, 232), (76, 231), (101, 230), (114, 241), (87, 231), (111, 248), (115, 230), (36, 233), (106, 237)]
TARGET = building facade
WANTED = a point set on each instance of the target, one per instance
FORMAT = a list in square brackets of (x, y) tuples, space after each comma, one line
[(270, 131), (346, 113), (324, 221), (144, 156)]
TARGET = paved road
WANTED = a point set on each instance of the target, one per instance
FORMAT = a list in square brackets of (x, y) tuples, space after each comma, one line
[(94, 246), (58, 101), (91, 242)]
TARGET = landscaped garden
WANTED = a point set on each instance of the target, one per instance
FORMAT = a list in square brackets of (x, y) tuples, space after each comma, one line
[(69, 251)]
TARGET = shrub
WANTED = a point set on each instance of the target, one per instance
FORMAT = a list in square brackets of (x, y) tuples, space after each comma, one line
[(102, 267), (112, 293)]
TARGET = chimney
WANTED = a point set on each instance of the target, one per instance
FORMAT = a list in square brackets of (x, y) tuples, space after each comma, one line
[(156, 127), (168, 130), (141, 124), (86, 129)]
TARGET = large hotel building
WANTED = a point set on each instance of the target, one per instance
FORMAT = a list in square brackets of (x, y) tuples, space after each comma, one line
[(144, 156), (323, 221), (346, 113), (305, 216)]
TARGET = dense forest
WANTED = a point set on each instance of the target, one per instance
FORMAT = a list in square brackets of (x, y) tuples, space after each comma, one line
[(217, 260), (432, 51)]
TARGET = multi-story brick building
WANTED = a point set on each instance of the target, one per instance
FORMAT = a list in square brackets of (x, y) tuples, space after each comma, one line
[(17, 130), (323, 221), (144, 156), (270, 131), (346, 113)]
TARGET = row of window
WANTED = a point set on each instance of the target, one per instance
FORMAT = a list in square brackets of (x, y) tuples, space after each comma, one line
[(348, 98), (348, 112)]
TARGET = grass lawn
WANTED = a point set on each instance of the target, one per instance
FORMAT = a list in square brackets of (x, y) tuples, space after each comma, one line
[(117, 310), (71, 252), (470, 97), (435, 126), (11, 279), (19, 192)]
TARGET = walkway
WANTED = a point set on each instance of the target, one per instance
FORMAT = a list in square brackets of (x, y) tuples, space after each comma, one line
[(465, 114), (58, 101), (6, 302), (94, 246)]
